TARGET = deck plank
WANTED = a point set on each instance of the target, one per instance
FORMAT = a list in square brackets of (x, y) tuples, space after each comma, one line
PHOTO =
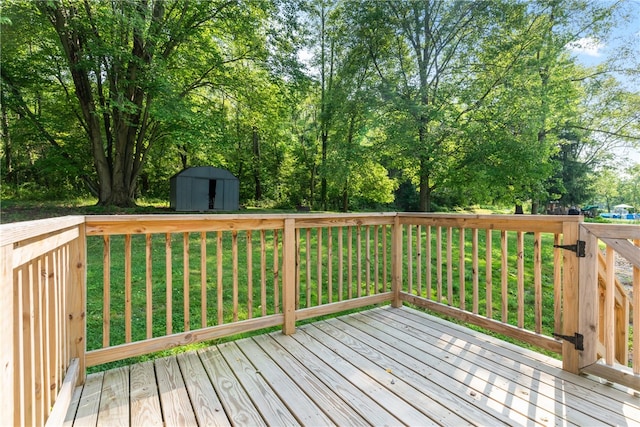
[(322, 394), (546, 384), (237, 405), (496, 394), (306, 411), (88, 408), (273, 410), (145, 400), (358, 355), (505, 384), (411, 369), (406, 413), (207, 407), (364, 405), (383, 366), (73, 407), (114, 400), (176, 406)]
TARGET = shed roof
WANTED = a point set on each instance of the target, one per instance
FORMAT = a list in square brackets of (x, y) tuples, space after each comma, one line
[(206, 172)]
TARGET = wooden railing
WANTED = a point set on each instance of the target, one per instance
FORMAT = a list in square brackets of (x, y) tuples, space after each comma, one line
[(42, 325), (608, 310), (505, 274), (161, 281)]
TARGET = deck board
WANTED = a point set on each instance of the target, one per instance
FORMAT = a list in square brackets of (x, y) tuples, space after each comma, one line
[(145, 400), (383, 366)]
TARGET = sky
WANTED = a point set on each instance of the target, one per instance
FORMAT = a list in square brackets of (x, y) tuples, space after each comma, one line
[(591, 52)]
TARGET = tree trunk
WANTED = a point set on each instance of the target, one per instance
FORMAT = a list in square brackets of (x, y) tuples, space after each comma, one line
[(8, 153), (256, 164), (345, 198), (425, 188)]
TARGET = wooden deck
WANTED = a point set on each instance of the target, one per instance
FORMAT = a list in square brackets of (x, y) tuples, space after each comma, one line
[(380, 367)]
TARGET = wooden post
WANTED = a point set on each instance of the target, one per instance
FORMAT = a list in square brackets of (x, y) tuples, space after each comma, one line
[(396, 263), (76, 288), (570, 297), (9, 402), (589, 299), (289, 277)]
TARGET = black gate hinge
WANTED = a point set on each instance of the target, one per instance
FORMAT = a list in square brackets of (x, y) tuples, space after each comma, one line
[(579, 248), (577, 339)]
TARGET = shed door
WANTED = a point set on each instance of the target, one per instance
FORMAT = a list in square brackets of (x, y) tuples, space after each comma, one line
[(218, 200), (200, 194)]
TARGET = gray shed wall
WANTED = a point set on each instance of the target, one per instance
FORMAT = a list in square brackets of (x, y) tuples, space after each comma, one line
[(194, 189)]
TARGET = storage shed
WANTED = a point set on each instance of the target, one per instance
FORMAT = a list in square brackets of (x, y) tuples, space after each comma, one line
[(204, 188)]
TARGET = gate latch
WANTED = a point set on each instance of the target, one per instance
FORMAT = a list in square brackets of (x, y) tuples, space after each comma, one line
[(578, 248), (577, 339)]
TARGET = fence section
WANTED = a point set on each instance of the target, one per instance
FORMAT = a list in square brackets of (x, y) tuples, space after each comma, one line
[(609, 310), (169, 280), (502, 273), (42, 323), (160, 281)]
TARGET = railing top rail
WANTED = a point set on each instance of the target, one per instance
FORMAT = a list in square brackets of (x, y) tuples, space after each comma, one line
[(510, 217), (20, 231), (176, 223), (527, 223), (614, 231), (90, 219)]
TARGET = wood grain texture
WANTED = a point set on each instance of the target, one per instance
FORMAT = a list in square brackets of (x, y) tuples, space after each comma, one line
[(176, 405), (145, 400), (114, 400), (383, 366)]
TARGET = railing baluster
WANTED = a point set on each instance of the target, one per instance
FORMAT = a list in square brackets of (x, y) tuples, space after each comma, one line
[(127, 288), (276, 272), (308, 265), (168, 254), (349, 262), (319, 264), (106, 291), (186, 308), (219, 281), (635, 357), (504, 276), (359, 260), (449, 266), (49, 332), (203, 279), (263, 272), (439, 262), (489, 272), (427, 257), (384, 258), (537, 280), (330, 264), (409, 258), (340, 265), (520, 292), (461, 267), (249, 275), (234, 273), (367, 260), (609, 307), (419, 260), (149, 285), (475, 281), (557, 282)]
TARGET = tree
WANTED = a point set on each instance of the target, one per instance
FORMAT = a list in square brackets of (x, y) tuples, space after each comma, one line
[(133, 65)]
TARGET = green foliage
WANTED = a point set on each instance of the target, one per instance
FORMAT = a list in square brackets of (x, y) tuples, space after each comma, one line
[(337, 105)]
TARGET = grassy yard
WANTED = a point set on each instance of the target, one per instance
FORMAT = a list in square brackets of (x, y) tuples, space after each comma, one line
[(314, 281)]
